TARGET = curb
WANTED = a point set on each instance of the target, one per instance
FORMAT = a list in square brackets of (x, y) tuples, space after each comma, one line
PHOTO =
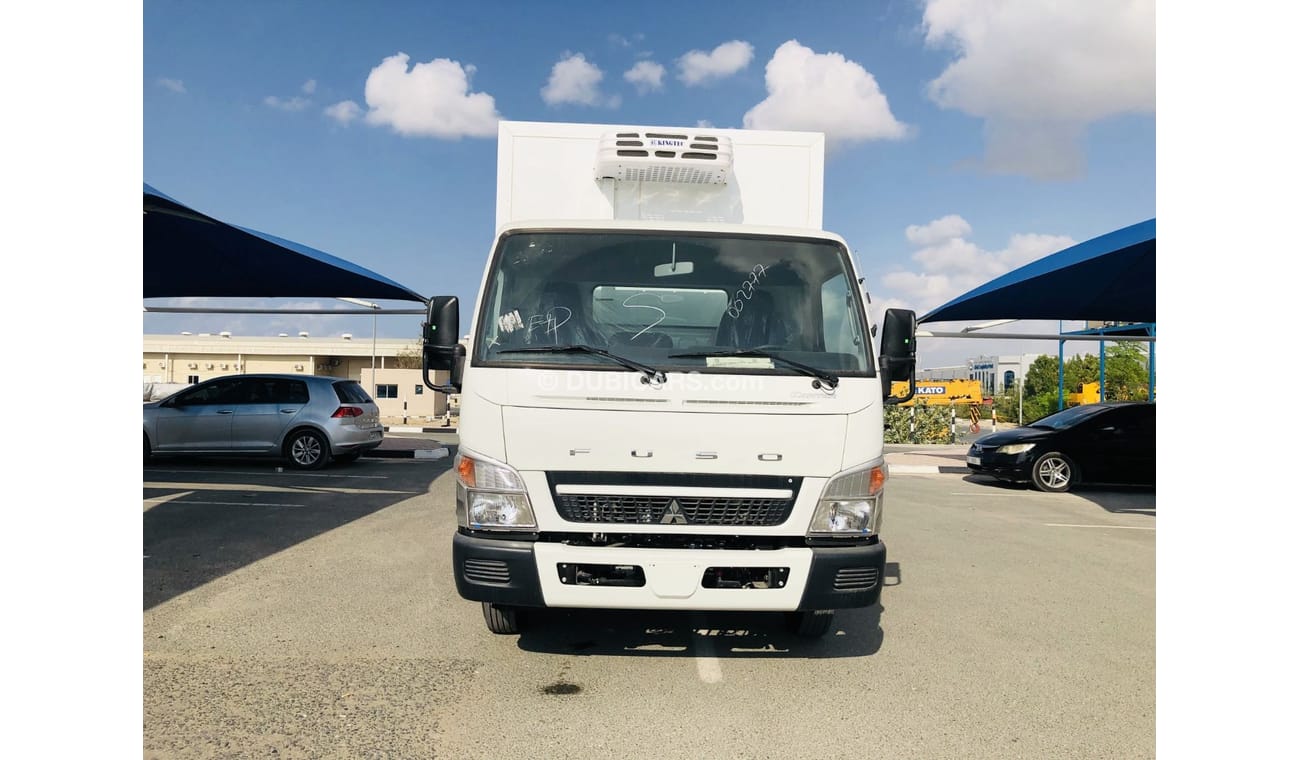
[(417, 429), (926, 469), (381, 453)]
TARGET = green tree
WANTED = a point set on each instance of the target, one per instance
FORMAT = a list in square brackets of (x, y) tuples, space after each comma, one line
[(411, 359), (1041, 378), (1127, 375)]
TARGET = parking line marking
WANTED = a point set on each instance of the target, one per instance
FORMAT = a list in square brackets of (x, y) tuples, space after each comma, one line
[(230, 503), (299, 474), (1118, 527)]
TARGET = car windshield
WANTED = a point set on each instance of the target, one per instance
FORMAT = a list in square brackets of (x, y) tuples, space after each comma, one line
[(1068, 417), (673, 301)]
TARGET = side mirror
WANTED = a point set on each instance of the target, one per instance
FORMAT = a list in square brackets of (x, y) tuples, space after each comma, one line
[(898, 354), (442, 348)]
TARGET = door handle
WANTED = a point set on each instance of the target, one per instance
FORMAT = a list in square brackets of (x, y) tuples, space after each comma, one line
[(288, 411), (225, 411)]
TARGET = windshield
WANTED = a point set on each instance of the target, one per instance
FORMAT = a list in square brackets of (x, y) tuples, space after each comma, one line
[(1068, 417), (651, 297)]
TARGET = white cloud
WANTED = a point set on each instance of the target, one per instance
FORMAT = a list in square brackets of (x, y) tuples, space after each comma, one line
[(704, 124), (946, 228), (428, 100), (175, 85), (949, 265), (823, 92), (698, 67), (309, 86), (296, 103), (1039, 73), (575, 80), (647, 76), (344, 112)]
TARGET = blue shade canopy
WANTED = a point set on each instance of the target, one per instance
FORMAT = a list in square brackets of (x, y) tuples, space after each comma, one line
[(190, 254), (1108, 278)]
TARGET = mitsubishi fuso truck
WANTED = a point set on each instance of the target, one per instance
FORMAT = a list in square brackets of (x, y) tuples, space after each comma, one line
[(669, 398)]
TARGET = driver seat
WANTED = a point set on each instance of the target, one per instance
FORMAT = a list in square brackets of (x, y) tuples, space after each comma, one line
[(757, 324)]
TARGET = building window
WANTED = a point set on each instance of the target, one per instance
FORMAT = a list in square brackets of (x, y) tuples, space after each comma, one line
[(192, 379), (419, 390), (386, 391)]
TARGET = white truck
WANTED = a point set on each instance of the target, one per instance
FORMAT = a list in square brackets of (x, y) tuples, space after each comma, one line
[(669, 397)]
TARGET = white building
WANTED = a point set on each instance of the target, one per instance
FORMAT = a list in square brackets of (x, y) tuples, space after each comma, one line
[(996, 374)]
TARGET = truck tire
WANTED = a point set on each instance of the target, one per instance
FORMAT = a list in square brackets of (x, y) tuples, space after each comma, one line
[(1053, 472), (502, 620), (811, 624)]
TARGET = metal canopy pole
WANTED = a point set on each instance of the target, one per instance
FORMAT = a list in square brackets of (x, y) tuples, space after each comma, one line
[(374, 337)]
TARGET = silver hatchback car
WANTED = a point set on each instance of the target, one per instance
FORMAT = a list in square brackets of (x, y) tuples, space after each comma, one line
[(307, 419)]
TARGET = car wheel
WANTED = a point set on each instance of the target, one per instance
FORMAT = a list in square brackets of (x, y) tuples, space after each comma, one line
[(148, 450), (811, 624), (1054, 472), (307, 450), (503, 620)]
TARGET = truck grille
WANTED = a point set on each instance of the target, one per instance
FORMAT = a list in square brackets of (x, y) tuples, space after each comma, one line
[(667, 508), (661, 510)]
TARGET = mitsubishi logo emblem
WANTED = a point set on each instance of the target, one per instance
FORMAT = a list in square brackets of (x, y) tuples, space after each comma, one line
[(673, 515)]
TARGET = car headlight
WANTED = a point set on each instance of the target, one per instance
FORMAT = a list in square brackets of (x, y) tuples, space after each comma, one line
[(851, 503), (1014, 448), (490, 495)]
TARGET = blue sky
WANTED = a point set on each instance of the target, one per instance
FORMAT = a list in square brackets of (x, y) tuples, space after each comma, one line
[(966, 138)]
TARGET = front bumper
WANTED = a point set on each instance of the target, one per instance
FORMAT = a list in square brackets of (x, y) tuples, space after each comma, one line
[(529, 574), (1013, 467)]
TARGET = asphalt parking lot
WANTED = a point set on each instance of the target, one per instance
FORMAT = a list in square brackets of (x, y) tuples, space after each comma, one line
[(314, 615)]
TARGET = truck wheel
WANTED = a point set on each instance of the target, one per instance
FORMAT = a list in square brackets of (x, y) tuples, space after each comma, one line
[(811, 623), (500, 619), (1054, 472)]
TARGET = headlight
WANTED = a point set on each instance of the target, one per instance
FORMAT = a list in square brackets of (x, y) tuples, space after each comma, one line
[(491, 495), (851, 503), (1014, 448)]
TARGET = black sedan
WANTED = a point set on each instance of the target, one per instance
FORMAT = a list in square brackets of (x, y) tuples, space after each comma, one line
[(1111, 442)]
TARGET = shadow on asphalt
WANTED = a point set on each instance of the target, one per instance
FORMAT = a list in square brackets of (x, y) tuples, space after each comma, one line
[(660, 633), (1116, 499), (211, 517)]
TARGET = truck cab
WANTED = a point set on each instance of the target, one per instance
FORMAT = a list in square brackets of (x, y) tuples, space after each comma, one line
[(667, 403)]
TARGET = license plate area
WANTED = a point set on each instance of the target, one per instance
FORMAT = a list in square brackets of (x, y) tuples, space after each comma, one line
[(745, 577), (588, 574), (972, 460)]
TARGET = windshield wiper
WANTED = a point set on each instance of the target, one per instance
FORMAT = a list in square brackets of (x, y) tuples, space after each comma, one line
[(826, 378), (648, 374)]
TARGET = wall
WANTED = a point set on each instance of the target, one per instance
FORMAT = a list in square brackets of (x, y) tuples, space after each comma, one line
[(419, 407)]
